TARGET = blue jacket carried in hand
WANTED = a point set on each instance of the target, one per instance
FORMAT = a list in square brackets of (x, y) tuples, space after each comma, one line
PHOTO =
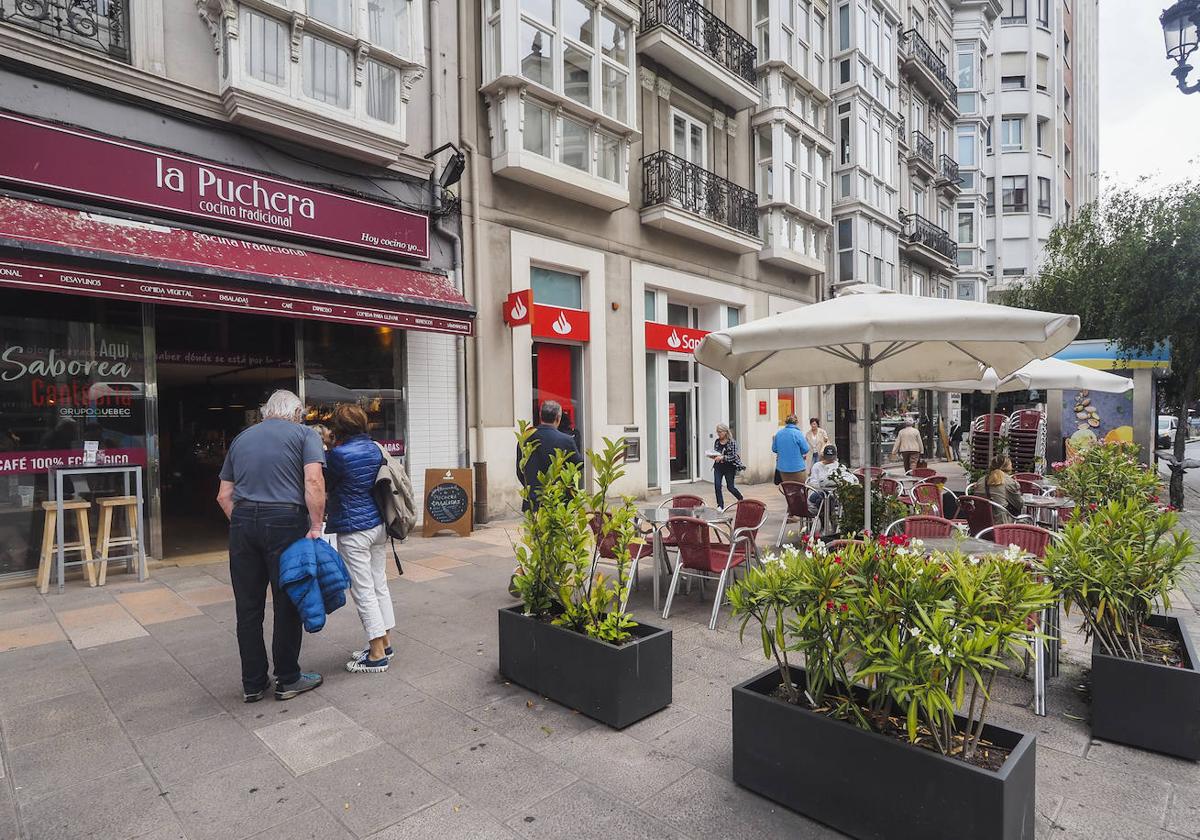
[(313, 575), (350, 473)]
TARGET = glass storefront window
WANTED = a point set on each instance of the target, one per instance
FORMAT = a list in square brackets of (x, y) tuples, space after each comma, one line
[(344, 363), (71, 370), (556, 288)]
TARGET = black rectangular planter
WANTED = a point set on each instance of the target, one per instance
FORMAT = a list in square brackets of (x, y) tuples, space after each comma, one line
[(616, 685), (1154, 707), (872, 786)]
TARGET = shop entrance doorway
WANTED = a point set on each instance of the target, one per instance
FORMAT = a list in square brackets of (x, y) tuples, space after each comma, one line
[(214, 370), (557, 376), (681, 433)]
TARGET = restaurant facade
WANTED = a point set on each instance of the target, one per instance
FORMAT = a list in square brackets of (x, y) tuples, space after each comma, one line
[(154, 291)]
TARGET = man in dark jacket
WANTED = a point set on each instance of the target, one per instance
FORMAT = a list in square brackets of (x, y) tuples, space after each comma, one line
[(547, 440), (273, 491)]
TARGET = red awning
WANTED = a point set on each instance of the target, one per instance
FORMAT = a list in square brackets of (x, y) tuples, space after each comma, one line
[(410, 298)]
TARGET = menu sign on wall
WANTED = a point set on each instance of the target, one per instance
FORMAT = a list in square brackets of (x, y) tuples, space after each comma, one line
[(68, 160)]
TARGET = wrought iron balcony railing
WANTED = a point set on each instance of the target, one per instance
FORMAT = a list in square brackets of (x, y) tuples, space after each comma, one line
[(704, 31), (922, 147), (100, 25), (920, 49), (949, 170), (921, 231), (669, 179)]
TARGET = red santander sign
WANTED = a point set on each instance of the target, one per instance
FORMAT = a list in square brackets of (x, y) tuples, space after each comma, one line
[(79, 163), (558, 323), (672, 339)]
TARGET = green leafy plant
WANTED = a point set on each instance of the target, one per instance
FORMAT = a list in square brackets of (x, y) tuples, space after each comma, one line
[(1116, 566), (1106, 472), (893, 641), (559, 547), (885, 509)]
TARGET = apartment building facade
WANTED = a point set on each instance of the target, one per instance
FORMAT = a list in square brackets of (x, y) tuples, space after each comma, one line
[(640, 175), (1042, 156), (201, 203)]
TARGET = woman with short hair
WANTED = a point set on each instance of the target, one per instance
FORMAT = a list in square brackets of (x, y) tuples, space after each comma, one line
[(352, 467)]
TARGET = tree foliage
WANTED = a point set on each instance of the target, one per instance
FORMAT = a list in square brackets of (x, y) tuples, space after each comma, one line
[(1129, 266)]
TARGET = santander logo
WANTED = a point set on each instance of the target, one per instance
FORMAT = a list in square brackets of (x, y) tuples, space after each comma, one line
[(673, 341), (561, 325), (518, 312)]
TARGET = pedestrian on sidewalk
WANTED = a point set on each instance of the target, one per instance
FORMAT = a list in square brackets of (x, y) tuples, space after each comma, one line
[(273, 493), (791, 451), (546, 439), (727, 463), (353, 465), (909, 444), (817, 439)]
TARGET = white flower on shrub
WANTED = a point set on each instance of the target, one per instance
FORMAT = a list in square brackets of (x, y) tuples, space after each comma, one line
[(935, 649)]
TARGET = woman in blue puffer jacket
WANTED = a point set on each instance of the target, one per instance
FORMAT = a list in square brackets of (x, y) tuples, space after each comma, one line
[(350, 471)]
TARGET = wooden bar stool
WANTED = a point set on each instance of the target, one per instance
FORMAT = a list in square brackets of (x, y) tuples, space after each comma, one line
[(50, 543), (104, 536)]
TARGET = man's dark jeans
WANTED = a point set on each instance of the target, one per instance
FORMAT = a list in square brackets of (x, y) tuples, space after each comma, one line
[(258, 534)]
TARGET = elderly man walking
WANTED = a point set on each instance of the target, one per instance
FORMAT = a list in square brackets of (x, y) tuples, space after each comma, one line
[(791, 451), (273, 493), (547, 439)]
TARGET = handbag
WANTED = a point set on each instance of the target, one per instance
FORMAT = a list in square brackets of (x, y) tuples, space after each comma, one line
[(778, 477)]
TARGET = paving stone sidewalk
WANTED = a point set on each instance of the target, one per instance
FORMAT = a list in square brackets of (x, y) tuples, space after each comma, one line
[(121, 717)]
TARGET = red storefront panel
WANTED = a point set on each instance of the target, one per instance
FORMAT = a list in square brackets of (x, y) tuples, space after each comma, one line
[(51, 278), (118, 172), (560, 323), (672, 339), (554, 378), (31, 225)]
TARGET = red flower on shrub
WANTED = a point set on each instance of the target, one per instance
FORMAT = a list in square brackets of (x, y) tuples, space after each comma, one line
[(837, 560), (829, 605), (845, 608)]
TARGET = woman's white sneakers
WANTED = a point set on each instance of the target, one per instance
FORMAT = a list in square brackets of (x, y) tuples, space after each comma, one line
[(363, 665)]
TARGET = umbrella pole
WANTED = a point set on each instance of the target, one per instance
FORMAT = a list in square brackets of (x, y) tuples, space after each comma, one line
[(865, 420)]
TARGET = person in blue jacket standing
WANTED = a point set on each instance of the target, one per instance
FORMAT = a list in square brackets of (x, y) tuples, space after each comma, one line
[(353, 465), (273, 493), (791, 451)]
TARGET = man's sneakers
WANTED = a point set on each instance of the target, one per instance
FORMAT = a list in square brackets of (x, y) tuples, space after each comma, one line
[(255, 696), (303, 683), (364, 665), (361, 652)]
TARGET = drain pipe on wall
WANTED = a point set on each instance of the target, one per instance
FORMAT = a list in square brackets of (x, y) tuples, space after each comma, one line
[(467, 100)]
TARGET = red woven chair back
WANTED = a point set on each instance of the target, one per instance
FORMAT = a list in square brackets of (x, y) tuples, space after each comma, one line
[(749, 513), (978, 513), (836, 545), (928, 497), (921, 472), (1029, 538), (1029, 487), (939, 480), (875, 472), (927, 526), (684, 500), (890, 487), (796, 495), (690, 536), (1027, 476)]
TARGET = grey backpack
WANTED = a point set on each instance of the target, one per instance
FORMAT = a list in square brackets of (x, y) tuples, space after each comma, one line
[(393, 494)]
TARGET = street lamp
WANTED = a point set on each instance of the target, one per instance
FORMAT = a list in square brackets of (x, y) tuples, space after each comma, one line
[(1181, 31)]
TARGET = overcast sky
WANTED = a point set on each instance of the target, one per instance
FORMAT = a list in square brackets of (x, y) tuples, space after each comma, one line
[(1147, 126)]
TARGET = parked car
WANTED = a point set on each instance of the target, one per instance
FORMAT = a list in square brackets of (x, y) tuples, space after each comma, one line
[(1166, 431)]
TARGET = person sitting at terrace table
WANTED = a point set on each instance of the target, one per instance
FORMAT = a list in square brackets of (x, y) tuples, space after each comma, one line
[(1003, 489), (822, 480)]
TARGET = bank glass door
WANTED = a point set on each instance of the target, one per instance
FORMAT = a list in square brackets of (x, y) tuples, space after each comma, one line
[(557, 376), (681, 434)]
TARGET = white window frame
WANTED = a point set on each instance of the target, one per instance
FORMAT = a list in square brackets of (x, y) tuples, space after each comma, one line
[(691, 122), (1006, 133)]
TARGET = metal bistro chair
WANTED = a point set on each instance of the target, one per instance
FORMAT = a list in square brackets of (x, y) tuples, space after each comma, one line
[(891, 487), (606, 549), (1029, 476), (923, 526), (921, 472), (1030, 487), (1029, 538), (749, 515), (876, 472), (927, 498), (700, 557), (980, 513), (798, 508)]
